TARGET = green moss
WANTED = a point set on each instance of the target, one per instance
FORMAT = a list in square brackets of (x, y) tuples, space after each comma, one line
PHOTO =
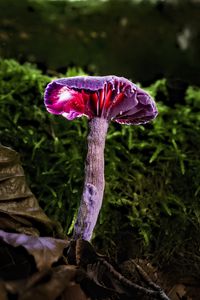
[(152, 171)]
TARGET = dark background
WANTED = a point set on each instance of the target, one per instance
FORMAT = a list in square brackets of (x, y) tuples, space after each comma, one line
[(143, 41)]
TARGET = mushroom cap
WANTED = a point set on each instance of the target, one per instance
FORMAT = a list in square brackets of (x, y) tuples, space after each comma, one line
[(110, 97)]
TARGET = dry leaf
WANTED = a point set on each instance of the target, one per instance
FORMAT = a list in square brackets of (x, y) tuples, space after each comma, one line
[(45, 250), (52, 284), (19, 209)]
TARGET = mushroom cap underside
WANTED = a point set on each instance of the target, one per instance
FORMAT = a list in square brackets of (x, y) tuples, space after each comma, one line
[(110, 97)]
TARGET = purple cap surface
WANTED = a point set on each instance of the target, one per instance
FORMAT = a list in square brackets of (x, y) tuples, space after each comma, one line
[(110, 97)]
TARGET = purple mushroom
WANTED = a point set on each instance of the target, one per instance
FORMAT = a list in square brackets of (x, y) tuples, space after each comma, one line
[(101, 99)]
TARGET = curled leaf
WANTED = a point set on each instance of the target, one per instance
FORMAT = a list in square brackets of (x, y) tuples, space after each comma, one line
[(19, 209), (45, 250)]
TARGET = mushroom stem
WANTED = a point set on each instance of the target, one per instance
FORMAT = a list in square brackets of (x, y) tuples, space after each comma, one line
[(94, 180)]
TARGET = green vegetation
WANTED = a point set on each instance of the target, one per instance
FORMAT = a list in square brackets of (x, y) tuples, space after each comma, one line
[(152, 171)]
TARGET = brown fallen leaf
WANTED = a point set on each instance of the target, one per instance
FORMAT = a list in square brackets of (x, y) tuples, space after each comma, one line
[(19, 209), (45, 250), (54, 283)]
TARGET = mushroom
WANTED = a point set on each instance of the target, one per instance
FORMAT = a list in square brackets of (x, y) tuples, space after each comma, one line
[(101, 99)]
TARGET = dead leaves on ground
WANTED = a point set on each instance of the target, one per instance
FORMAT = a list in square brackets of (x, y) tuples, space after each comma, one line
[(54, 283), (45, 250), (90, 276)]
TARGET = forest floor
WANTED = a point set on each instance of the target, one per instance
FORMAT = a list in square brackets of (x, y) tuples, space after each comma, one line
[(38, 262)]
